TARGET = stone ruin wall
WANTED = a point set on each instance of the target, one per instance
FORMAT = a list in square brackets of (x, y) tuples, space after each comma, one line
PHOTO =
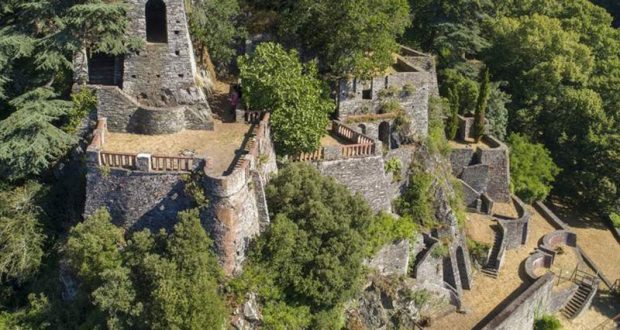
[(160, 91), (151, 200)]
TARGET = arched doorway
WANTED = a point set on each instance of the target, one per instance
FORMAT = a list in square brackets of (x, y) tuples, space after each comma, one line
[(384, 134), (156, 23), (362, 128)]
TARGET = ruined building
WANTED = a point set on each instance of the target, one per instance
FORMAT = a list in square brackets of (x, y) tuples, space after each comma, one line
[(157, 144)]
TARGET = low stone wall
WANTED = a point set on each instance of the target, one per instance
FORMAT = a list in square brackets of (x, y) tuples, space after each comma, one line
[(520, 313), (516, 230), (465, 130), (126, 115)]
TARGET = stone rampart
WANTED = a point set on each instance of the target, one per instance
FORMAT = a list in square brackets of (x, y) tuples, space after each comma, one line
[(365, 176), (520, 313), (516, 230)]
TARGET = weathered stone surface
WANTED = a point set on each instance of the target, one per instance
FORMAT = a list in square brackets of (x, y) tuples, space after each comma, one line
[(250, 309), (137, 200), (461, 158), (498, 160), (476, 176), (392, 259), (365, 176)]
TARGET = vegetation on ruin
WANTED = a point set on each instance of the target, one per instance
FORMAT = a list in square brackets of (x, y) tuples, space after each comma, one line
[(547, 322), (309, 262)]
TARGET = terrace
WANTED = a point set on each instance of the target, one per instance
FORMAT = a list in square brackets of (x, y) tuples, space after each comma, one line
[(179, 152), (341, 142)]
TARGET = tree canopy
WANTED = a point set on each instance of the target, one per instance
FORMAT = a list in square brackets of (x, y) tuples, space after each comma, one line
[(274, 79)]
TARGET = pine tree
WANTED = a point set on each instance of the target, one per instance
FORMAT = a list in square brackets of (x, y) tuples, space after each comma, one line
[(453, 121), (31, 141), (481, 106)]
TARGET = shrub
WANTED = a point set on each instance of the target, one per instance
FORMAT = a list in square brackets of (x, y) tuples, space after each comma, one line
[(387, 228), (417, 201), (84, 101), (391, 106), (394, 166), (478, 250), (615, 219), (440, 251), (409, 89), (436, 141), (532, 169), (547, 322), (389, 92)]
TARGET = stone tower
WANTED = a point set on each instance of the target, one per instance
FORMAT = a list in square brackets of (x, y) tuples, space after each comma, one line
[(155, 90)]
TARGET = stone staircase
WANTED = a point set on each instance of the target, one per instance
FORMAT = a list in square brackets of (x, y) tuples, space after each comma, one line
[(578, 301), (492, 267)]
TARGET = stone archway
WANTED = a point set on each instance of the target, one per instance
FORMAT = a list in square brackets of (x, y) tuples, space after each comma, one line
[(156, 22)]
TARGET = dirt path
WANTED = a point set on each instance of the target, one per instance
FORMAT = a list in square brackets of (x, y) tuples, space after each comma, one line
[(488, 293), (594, 238)]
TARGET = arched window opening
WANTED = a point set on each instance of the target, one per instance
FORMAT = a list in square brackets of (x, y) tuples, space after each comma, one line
[(156, 24)]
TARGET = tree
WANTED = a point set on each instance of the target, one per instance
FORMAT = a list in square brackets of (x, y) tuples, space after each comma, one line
[(213, 29), (351, 37), (94, 247), (497, 116), (275, 80), (317, 240), (481, 106), (453, 121), (532, 171), (21, 235)]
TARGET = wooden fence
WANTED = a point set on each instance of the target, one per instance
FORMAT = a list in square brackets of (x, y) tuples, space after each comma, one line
[(174, 164), (118, 160)]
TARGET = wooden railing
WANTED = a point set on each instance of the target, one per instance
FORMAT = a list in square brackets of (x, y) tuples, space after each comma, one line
[(349, 134), (356, 150), (310, 156), (119, 160), (173, 164)]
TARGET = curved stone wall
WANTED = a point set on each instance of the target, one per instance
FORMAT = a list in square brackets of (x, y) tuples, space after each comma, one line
[(152, 121)]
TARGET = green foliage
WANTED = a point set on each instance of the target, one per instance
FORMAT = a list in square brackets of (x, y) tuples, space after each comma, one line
[(394, 166), (21, 235), (30, 140), (497, 114), (351, 37), (153, 281), (213, 27), (420, 297), (94, 246), (409, 89), (615, 219), (481, 106), (84, 102), (391, 106), (532, 169), (453, 119), (195, 189), (387, 228), (478, 250), (99, 26), (274, 79), (547, 322), (440, 251), (317, 239), (417, 201), (389, 92), (460, 88), (436, 141)]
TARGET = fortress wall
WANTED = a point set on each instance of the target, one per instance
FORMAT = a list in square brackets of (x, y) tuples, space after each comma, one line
[(136, 200), (520, 313), (498, 160), (362, 175)]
